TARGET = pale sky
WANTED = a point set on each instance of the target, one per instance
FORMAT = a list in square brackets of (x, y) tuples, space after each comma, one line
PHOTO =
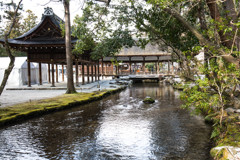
[(37, 6)]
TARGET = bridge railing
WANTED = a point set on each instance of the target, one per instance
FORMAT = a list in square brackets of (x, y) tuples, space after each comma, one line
[(126, 73)]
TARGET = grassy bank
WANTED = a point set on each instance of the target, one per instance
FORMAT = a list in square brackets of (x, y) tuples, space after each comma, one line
[(23, 111)]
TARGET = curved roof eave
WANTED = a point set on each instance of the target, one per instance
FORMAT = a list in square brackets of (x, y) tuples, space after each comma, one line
[(54, 18), (22, 42), (31, 30)]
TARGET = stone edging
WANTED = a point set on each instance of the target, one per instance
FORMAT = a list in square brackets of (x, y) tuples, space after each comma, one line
[(39, 112)]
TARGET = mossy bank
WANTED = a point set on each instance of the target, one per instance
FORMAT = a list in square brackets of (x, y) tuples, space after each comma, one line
[(27, 110), (225, 135)]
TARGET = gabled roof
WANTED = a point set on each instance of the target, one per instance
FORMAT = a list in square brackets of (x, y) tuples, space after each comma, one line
[(34, 29), (46, 32)]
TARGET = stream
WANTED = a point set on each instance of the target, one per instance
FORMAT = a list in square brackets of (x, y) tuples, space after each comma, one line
[(119, 126)]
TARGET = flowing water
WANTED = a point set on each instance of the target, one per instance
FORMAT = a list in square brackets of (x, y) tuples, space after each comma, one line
[(118, 127)]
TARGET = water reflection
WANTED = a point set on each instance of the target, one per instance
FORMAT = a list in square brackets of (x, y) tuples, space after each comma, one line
[(126, 136), (118, 127)]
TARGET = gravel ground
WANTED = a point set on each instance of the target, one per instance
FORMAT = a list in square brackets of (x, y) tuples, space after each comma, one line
[(11, 97)]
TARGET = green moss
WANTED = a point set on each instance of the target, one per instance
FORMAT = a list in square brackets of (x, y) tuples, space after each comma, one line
[(148, 100), (27, 110), (178, 86)]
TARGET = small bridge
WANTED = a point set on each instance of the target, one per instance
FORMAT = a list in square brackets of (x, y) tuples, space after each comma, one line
[(142, 77)]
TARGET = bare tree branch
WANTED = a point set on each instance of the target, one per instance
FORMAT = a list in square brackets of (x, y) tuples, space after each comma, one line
[(14, 19)]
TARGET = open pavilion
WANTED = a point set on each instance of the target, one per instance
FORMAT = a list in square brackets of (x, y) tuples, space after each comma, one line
[(45, 44)]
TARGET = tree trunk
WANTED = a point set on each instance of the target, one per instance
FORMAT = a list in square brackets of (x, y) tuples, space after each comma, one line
[(12, 58), (10, 66), (70, 84), (215, 14)]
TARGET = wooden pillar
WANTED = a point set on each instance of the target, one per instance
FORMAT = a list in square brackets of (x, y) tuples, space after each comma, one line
[(118, 70), (40, 73), (143, 65), (95, 71), (53, 81), (76, 68), (168, 67), (83, 80), (102, 68), (29, 73), (62, 72), (112, 69), (157, 65), (98, 71), (56, 73), (130, 63), (88, 76), (105, 68), (49, 75), (92, 72)]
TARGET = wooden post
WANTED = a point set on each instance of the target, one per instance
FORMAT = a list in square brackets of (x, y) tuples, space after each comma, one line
[(92, 71), (112, 69), (98, 71), (118, 70), (49, 75), (95, 71), (40, 73), (130, 63), (168, 67), (83, 80), (143, 65), (62, 72), (102, 68), (106, 68), (29, 73), (76, 68), (56, 73), (157, 65), (53, 81), (88, 76)]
